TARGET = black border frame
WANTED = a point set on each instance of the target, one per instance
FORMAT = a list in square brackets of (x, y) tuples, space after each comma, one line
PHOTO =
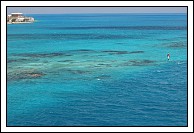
[(96, 6)]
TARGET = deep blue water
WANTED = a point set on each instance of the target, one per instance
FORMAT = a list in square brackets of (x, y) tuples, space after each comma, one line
[(97, 70)]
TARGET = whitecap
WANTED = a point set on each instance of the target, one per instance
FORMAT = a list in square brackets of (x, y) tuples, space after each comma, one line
[(179, 63)]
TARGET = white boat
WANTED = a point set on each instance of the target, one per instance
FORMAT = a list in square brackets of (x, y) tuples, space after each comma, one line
[(19, 18)]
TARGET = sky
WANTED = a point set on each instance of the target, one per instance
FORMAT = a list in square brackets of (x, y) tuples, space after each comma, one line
[(72, 10)]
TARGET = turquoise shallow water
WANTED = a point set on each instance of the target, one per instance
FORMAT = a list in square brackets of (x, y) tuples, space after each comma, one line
[(98, 70)]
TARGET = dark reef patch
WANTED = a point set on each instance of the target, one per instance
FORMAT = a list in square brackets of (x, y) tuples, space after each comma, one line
[(24, 75), (103, 77), (16, 60), (120, 43), (177, 45), (103, 64), (35, 75), (76, 71), (136, 52), (138, 63), (65, 60), (42, 55), (116, 52), (113, 52), (82, 51)]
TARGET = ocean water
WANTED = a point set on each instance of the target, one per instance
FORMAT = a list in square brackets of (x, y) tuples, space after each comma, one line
[(97, 70)]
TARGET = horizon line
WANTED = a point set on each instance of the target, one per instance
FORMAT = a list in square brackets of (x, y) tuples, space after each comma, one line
[(111, 13)]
